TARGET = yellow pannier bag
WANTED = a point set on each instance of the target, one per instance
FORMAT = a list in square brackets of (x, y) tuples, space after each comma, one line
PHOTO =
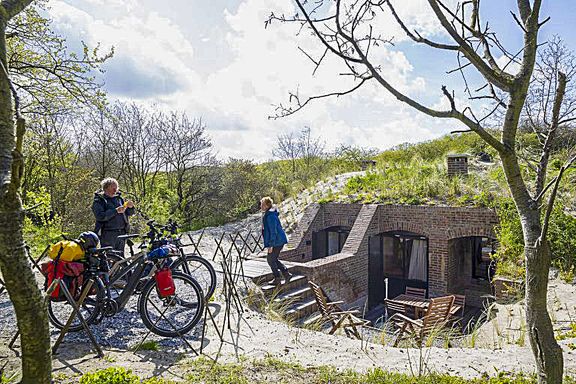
[(71, 251)]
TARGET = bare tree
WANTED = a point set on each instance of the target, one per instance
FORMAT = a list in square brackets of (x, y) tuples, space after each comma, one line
[(311, 150), (99, 152), (185, 147), (555, 65), (350, 30), (300, 148), (137, 146), (287, 149)]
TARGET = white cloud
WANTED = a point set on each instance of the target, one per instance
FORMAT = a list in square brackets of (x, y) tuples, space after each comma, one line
[(510, 66), (152, 45), (262, 67)]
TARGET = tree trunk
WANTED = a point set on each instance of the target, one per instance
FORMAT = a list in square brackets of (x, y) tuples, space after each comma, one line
[(547, 352), (25, 295), (20, 282)]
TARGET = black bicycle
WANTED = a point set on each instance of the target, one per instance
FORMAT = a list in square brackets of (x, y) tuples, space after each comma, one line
[(170, 315), (189, 263)]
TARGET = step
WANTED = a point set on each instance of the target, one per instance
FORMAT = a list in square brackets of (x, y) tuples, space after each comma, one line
[(314, 318), (297, 281), (295, 294), (302, 309)]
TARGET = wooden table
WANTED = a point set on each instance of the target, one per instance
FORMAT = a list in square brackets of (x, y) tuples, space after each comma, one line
[(418, 303)]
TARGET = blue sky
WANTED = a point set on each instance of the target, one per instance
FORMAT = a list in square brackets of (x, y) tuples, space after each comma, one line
[(214, 59)]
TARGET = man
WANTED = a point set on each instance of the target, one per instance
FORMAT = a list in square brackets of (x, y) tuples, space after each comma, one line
[(111, 213)]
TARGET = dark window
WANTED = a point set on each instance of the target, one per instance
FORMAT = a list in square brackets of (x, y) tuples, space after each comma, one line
[(329, 241), (405, 257), (482, 249)]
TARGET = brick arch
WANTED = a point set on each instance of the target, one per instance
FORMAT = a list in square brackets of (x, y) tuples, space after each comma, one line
[(405, 226), (339, 221), (345, 227), (481, 231)]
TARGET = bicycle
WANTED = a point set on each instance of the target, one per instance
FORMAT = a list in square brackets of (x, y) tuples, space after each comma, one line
[(186, 302), (189, 263)]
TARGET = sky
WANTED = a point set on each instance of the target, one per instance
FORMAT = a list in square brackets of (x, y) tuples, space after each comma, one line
[(215, 60)]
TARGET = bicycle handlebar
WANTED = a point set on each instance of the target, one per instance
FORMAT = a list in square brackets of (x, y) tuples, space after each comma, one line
[(96, 251)]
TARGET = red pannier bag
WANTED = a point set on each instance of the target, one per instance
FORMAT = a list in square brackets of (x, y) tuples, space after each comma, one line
[(165, 282), (70, 272)]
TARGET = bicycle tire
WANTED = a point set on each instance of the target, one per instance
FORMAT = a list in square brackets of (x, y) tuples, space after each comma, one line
[(188, 296), (60, 311), (201, 270)]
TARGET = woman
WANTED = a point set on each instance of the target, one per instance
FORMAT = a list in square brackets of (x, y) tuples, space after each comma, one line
[(274, 240)]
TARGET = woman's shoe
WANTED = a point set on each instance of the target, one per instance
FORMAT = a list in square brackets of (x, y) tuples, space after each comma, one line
[(277, 281), (287, 276)]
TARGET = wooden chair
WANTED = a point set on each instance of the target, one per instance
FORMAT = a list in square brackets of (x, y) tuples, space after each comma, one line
[(393, 307), (437, 315), (459, 303), (333, 314), (418, 292)]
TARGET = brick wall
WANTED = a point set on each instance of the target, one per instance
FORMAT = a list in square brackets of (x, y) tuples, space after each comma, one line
[(507, 290), (316, 218), (457, 165), (344, 276), (439, 225)]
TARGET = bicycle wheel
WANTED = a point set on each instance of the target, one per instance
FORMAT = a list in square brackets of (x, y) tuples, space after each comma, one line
[(201, 270), (174, 315), (59, 311)]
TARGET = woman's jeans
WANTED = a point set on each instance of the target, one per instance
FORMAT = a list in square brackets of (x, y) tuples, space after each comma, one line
[(274, 263)]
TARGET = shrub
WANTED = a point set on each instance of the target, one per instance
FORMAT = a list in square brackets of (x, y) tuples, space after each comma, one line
[(112, 375)]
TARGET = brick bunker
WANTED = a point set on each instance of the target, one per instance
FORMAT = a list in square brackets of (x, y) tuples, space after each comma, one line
[(361, 253)]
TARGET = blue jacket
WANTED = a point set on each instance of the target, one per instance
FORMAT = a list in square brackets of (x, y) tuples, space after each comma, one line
[(272, 231)]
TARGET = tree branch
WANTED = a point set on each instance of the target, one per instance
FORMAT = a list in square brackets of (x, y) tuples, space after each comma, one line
[(474, 126), (418, 38), (552, 199), (518, 22), (545, 156), (482, 36), (524, 8), (500, 79), (321, 37), (287, 111)]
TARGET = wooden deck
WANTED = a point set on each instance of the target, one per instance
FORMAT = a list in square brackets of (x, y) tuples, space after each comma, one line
[(257, 267)]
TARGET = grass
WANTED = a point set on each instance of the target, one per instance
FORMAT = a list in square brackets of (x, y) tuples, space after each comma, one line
[(569, 334), (274, 308), (150, 345), (272, 370)]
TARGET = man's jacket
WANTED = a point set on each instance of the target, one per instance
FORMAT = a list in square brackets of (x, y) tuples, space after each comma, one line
[(107, 219)]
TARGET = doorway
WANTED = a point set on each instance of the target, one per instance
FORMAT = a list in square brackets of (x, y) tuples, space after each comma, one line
[(399, 258)]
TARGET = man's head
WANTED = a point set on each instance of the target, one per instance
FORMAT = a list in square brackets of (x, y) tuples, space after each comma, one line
[(109, 186)]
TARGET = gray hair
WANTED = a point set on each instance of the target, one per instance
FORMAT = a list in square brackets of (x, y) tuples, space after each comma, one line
[(104, 184)]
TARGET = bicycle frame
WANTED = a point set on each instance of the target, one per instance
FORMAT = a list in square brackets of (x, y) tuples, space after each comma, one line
[(137, 266)]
